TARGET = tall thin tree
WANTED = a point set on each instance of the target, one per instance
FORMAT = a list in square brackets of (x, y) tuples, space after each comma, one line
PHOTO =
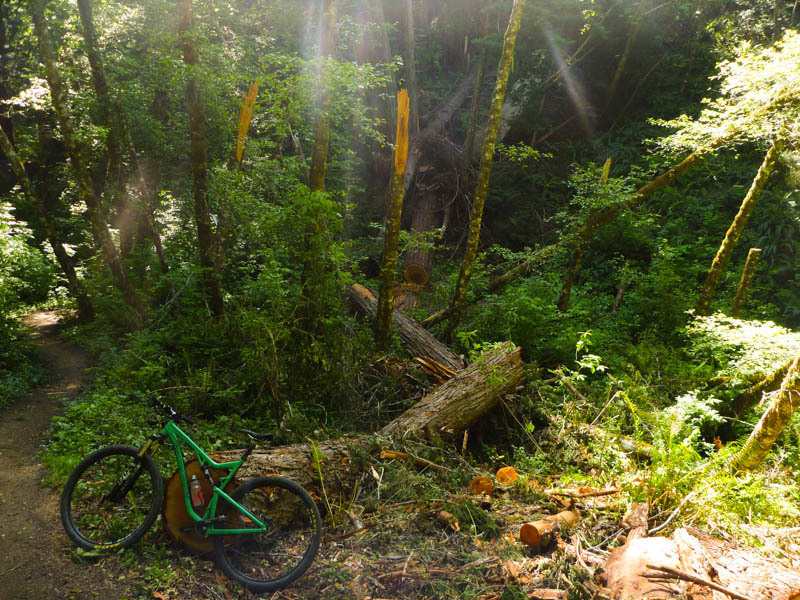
[(206, 242), (487, 155)]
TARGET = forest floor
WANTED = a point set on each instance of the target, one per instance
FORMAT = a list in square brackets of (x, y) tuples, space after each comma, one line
[(404, 533), (35, 562)]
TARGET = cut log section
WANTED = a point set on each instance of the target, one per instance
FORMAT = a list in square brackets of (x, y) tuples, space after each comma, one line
[(703, 557), (416, 339), (539, 533), (175, 515)]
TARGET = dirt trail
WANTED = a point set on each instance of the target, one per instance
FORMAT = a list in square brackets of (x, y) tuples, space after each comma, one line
[(35, 561)]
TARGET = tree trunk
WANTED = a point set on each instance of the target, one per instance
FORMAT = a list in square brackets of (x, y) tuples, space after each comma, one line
[(718, 564), (199, 159), (735, 230), (391, 241), (755, 393), (5, 119), (411, 69), (119, 142), (76, 289), (750, 266), (322, 122), (778, 414), (487, 156), (418, 258), (472, 126), (79, 167), (416, 340), (451, 407), (623, 59)]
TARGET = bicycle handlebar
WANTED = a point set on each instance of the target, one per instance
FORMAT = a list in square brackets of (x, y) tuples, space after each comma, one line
[(173, 414)]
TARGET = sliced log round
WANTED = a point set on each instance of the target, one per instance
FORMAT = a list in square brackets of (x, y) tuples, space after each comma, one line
[(174, 512)]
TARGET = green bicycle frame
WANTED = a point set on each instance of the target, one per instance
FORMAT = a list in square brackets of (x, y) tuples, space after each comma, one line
[(176, 436)]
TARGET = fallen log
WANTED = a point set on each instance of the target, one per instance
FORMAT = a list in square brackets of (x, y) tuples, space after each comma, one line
[(539, 533), (332, 467), (642, 450), (416, 339)]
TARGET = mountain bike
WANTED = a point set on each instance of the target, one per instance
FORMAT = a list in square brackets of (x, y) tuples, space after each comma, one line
[(266, 533)]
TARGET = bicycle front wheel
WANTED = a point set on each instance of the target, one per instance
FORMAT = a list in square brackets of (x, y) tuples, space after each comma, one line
[(270, 560), (111, 498)]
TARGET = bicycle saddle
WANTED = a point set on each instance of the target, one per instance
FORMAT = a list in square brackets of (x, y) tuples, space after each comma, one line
[(254, 435)]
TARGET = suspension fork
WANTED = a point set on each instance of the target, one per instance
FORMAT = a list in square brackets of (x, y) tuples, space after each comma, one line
[(125, 485)]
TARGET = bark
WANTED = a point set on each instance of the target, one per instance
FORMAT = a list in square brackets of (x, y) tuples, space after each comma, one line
[(5, 120), (753, 258), (623, 59), (459, 402), (391, 241), (79, 168), (322, 123), (76, 289), (778, 414), (503, 70), (416, 340), (198, 154), (411, 68), (540, 533), (418, 259), (472, 126), (739, 571), (119, 143), (735, 230), (455, 405), (754, 394)]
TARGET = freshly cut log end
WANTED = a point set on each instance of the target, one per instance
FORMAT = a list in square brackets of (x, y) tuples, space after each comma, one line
[(176, 517), (416, 274), (539, 533)]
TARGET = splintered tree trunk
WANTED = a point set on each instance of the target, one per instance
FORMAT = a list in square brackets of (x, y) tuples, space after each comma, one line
[(119, 140), (487, 156), (735, 230), (416, 340), (383, 318), (199, 158), (778, 414), (753, 258), (451, 407), (76, 289), (78, 164)]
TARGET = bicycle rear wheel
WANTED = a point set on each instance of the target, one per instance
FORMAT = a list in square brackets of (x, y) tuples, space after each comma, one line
[(269, 561), (111, 498)]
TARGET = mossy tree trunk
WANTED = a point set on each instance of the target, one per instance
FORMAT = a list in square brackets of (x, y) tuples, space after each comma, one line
[(391, 241), (487, 156), (120, 144), (735, 230), (198, 154), (778, 414), (76, 289), (79, 167), (750, 266)]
